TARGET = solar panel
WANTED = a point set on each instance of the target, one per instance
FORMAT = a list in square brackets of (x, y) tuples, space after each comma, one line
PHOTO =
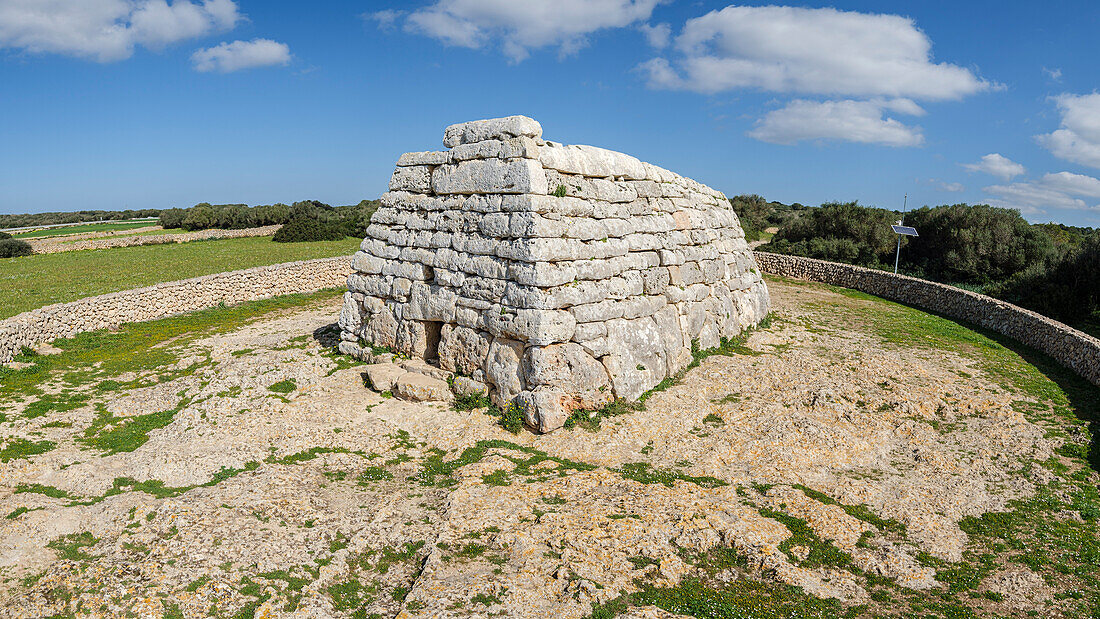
[(905, 230)]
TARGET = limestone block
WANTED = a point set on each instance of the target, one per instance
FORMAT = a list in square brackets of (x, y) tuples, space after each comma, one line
[(591, 161), (416, 179), (466, 386), (420, 388), (428, 302), (424, 158), (420, 366), (351, 315), (493, 128), (547, 408), (502, 369), (636, 359), (568, 368), (462, 349), (381, 329), (366, 263), (655, 280), (520, 176), (536, 327), (383, 376), (541, 274), (412, 338), (611, 191), (511, 148)]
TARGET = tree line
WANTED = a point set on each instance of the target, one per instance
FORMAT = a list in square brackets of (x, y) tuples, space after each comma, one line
[(25, 220), (308, 220), (1050, 268)]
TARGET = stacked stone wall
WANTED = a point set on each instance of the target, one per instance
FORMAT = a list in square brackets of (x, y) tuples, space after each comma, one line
[(110, 310), (54, 245), (1074, 349), (558, 277)]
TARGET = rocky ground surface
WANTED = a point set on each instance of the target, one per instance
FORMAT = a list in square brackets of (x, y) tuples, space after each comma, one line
[(853, 457)]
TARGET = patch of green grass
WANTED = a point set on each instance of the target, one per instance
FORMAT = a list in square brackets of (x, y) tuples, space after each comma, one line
[(498, 477), (71, 547), (17, 512), (437, 471), (307, 455), (35, 281), (112, 435), (372, 474), (472, 402), (511, 419), (21, 448), (283, 386), (742, 599), (55, 403), (644, 473)]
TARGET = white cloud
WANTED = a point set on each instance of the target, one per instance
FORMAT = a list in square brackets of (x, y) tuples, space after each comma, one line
[(1079, 138), (1054, 74), (1076, 184), (658, 35), (997, 165), (1058, 191), (852, 121), (108, 30), (810, 51), (386, 19), (523, 26), (952, 187), (229, 57)]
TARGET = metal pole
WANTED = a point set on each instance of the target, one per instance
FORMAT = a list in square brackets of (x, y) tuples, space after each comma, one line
[(904, 207)]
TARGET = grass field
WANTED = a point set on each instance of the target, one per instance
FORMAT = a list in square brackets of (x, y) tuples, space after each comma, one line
[(81, 228), (34, 281)]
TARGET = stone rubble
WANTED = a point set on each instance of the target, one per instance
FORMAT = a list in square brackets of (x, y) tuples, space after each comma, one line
[(559, 277)]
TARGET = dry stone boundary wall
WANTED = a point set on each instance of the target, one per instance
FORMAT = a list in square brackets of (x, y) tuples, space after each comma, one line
[(1074, 349), (110, 310), (54, 246), (555, 277)]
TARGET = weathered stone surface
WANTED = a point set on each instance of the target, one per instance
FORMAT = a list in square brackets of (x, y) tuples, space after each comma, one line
[(423, 367), (424, 158), (637, 361), (420, 388), (416, 179), (493, 128), (383, 376), (548, 408), (489, 176), (466, 386), (502, 369), (568, 367), (462, 349)]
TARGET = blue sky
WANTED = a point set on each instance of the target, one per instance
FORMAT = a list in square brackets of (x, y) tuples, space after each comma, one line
[(111, 104)]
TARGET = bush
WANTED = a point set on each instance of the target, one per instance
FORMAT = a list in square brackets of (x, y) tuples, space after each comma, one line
[(13, 248), (4, 235), (1066, 288), (305, 229), (844, 232), (979, 245)]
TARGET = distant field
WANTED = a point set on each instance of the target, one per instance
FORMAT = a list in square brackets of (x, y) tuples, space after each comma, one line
[(152, 233), (80, 228), (35, 281)]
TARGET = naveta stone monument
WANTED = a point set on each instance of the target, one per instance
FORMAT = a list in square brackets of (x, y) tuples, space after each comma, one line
[(555, 277)]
